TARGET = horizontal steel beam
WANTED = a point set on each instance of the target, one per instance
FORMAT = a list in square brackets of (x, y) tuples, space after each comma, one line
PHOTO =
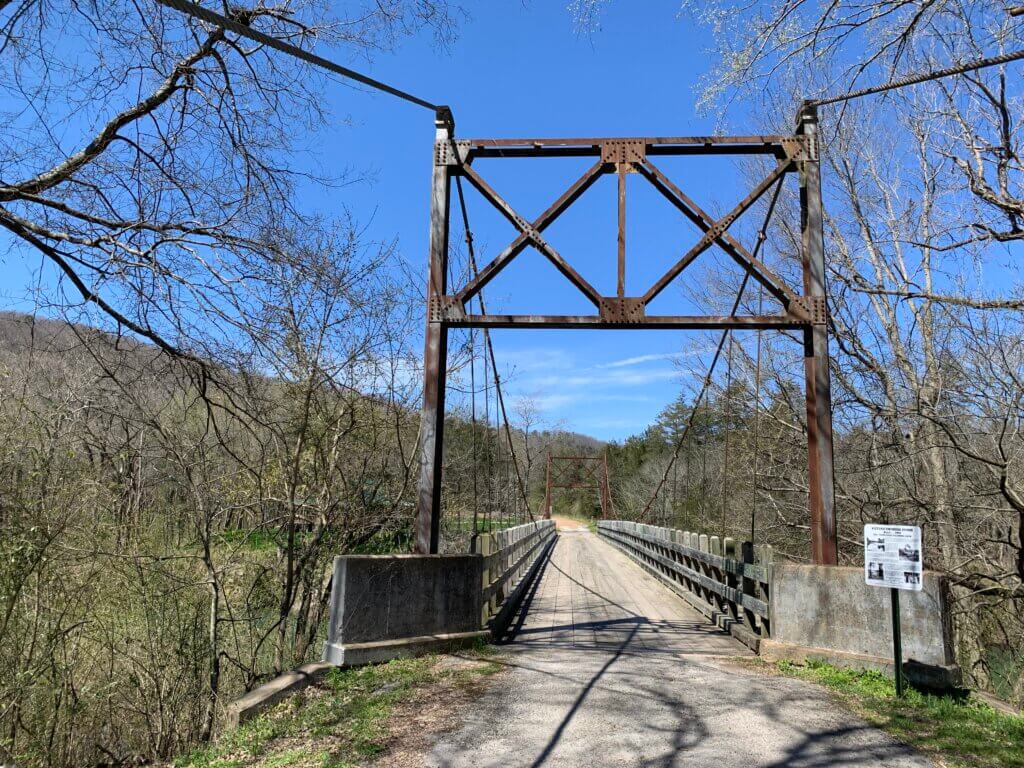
[(595, 151), (656, 145), (649, 140), (664, 322)]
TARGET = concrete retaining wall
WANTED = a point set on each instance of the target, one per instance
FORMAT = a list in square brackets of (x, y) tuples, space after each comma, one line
[(798, 612), (831, 613), (388, 606), (385, 606)]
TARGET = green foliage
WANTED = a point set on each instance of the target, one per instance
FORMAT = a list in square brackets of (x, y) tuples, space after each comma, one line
[(963, 731), (1006, 669)]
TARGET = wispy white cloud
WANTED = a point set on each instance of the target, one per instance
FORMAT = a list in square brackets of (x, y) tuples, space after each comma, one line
[(597, 379), (522, 361), (607, 424), (609, 398), (555, 401), (639, 359)]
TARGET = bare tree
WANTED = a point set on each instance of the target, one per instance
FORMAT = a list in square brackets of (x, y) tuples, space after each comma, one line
[(179, 484), (155, 169), (923, 192)]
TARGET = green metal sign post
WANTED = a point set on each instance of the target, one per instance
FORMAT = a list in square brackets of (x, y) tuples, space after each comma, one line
[(897, 641)]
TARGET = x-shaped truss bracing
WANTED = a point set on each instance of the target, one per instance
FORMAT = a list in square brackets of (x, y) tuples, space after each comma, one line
[(803, 310), (622, 156)]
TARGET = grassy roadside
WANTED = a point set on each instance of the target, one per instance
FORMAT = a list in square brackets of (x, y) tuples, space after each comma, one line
[(351, 718), (952, 732)]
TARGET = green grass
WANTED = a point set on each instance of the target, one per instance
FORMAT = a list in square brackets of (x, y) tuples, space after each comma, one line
[(344, 725), (1005, 669), (953, 731)]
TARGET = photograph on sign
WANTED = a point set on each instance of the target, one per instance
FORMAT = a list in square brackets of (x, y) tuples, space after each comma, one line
[(892, 556)]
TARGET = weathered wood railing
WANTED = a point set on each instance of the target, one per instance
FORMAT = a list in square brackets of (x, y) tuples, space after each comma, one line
[(716, 576), (511, 559)]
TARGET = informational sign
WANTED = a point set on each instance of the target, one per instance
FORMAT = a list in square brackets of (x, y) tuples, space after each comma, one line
[(892, 556)]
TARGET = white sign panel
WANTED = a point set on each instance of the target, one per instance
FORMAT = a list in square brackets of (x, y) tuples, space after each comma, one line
[(892, 556)]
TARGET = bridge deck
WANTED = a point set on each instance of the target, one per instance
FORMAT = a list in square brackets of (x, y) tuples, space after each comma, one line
[(594, 598), (610, 668)]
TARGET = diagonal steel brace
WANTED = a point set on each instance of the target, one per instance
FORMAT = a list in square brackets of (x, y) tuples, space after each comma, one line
[(530, 233)]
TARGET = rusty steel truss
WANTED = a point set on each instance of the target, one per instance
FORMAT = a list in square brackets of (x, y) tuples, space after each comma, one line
[(578, 472), (803, 310)]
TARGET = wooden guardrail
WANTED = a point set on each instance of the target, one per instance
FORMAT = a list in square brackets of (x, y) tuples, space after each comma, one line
[(716, 576), (511, 559)]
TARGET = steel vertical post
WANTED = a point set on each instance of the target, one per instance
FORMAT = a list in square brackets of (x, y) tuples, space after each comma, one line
[(621, 286), (547, 490), (435, 353), (821, 476), (606, 491)]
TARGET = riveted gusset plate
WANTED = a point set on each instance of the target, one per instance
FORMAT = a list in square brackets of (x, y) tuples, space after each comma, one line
[(445, 309), (623, 151), (627, 310), (800, 148), (818, 309), (531, 232), (445, 152), (815, 308)]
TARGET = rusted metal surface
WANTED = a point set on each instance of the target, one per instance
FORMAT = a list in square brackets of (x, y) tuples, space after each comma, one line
[(820, 471), (578, 473), (621, 172), (435, 359), (716, 229), (759, 271), (622, 156), (444, 309), (780, 146), (566, 199), (663, 322), (534, 236), (623, 151), (622, 311), (804, 310)]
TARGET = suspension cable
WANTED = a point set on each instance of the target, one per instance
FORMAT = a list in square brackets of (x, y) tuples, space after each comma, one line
[(728, 430), (757, 422), (489, 455), (473, 428), (991, 61), (471, 251), (714, 361), (240, 28)]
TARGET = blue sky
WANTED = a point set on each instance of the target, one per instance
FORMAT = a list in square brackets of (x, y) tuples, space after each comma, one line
[(523, 69)]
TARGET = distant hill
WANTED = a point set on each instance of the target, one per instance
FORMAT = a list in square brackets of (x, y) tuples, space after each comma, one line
[(22, 333)]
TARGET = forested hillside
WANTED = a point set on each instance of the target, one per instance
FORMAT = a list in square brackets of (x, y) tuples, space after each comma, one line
[(165, 549), (218, 387)]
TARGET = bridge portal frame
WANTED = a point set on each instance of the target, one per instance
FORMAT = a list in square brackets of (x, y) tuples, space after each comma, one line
[(575, 473), (805, 311)]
